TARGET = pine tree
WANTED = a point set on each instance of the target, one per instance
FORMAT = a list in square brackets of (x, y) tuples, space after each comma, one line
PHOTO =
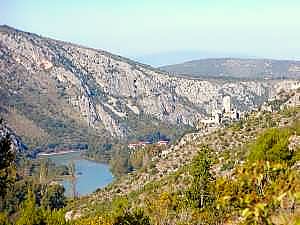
[(30, 214), (199, 194), (53, 198), (72, 171), (7, 166)]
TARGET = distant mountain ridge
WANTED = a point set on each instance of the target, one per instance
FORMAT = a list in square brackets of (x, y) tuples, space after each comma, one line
[(58, 92), (237, 68)]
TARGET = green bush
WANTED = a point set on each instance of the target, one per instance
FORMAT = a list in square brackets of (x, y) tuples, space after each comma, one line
[(136, 217), (30, 214), (272, 145), (54, 198)]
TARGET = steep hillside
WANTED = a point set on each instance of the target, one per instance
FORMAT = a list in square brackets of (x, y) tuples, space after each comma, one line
[(237, 68), (246, 187), (57, 92)]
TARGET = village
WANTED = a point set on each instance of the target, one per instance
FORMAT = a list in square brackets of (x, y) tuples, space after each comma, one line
[(221, 116), (228, 114), (143, 144), (225, 115)]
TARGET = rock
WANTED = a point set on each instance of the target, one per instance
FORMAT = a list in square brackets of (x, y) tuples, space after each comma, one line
[(72, 215), (88, 80)]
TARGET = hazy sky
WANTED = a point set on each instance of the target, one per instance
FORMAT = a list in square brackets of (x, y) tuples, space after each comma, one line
[(262, 28)]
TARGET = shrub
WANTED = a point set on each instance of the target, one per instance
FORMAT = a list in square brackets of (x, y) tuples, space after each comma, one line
[(272, 145), (136, 218), (3, 219), (53, 197)]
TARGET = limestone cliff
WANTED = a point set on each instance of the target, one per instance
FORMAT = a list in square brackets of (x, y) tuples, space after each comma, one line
[(105, 92)]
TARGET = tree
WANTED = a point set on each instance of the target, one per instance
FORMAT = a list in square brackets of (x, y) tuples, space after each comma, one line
[(199, 194), (53, 198), (7, 155), (43, 171), (30, 214), (72, 171), (120, 162), (7, 167)]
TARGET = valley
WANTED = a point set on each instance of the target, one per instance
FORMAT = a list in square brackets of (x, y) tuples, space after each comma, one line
[(166, 147), (55, 92)]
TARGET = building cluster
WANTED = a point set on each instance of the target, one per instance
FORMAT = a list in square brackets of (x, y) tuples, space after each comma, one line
[(143, 144), (220, 116)]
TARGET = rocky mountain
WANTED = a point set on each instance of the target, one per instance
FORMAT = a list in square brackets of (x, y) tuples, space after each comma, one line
[(54, 91), (237, 68)]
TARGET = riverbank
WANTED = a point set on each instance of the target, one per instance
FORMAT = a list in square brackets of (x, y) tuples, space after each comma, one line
[(90, 175), (92, 159), (56, 153)]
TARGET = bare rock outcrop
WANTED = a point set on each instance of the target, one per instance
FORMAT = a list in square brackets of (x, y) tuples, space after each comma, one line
[(87, 79)]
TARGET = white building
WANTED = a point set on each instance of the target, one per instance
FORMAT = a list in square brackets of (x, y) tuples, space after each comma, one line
[(227, 104), (217, 115)]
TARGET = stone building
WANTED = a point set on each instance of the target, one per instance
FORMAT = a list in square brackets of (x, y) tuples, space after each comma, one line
[(227, 104)]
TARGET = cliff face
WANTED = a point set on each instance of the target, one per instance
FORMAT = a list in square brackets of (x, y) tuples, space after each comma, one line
[(44, 79)]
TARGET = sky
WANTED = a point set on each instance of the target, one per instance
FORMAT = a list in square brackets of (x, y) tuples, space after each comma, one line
[(150, 29)]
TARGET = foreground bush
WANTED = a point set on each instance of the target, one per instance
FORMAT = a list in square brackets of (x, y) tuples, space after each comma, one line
[(272, 145)]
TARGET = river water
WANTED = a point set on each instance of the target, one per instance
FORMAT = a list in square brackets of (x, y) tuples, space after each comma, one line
[(90, 175)]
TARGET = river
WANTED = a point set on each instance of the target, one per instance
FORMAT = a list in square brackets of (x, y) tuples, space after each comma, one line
[(90, 175)]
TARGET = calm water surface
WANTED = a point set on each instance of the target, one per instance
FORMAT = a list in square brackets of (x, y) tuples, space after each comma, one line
[(90, 175)]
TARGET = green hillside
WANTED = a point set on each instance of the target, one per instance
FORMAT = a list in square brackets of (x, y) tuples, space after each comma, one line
[(244, 174)]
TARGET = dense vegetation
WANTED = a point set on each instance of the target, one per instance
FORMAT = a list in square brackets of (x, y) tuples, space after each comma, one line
[(126, 161), (26, 196), (258, 183), (121, 159), (272, 145), (256, 193)]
